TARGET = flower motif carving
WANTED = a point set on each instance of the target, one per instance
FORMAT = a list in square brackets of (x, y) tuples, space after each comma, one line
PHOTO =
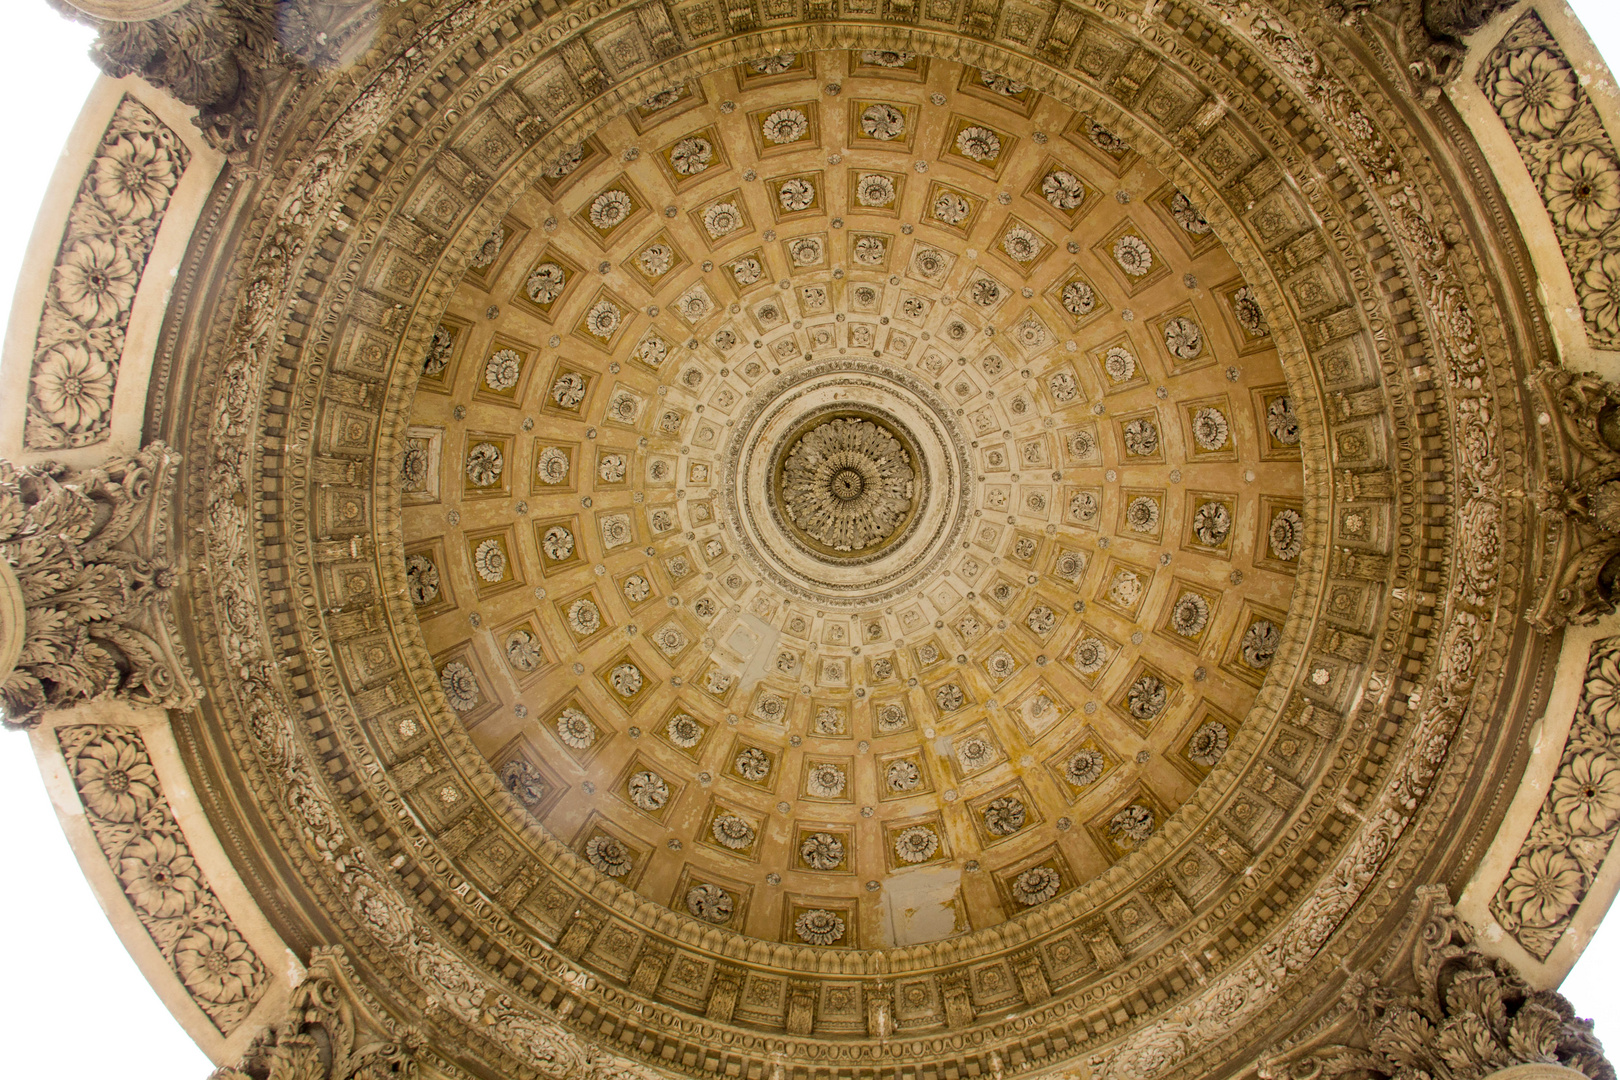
[(1579, 819), (136, 829), (110, 234), (847, 485)]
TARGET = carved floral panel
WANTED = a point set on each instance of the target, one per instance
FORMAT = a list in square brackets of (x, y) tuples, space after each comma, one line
[(129, 815), (105, 247)]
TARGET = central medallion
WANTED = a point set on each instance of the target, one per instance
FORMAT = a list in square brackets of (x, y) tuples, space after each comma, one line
[(846, 482), (846, 485)]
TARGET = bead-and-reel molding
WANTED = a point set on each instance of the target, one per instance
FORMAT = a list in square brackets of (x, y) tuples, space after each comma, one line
[(1091, 462)]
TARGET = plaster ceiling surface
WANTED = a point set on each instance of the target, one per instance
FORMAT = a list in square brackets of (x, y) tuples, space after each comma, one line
[(852, 518), (907, 541)]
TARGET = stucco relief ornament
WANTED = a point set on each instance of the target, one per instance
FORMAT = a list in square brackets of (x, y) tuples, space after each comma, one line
[(1119, 364), (1134, 824), (1004, 816), (648, 791), (1146, 697), (460, 686), (975, 752), (752, 764), (439, 351), (1286, 536), (1036, 885), (1106, 140), (652, 350), (608, 855), (1260, 643), (557, 543), (722, 219), (1063, 190), (1190, 615), (1208, 744), (502, 369), (710, 903), (785, 126), (951, 208), (1133, 255), (826, 781), (916, 844), (1142, 515), (566, 161), (775, 64), (552, 465), (584, 617), (822, 851), (732, 832), (1091, 655), (1187, 215), (521, 779), (655, 260), (421, 580), (1210, 428), (1141, 437), (891, 718), (978, 143), (489, 559), (883, 122), (805, 251), (626, 680), (949, 697), (609, 209), (523, 650), (691, 155), (485, 254), (1126, 588), (1083, 767), (819, 927), (902, 775), (870, 251), (546, 283), (874, 189), (569, 390), (575, 729), (746, 271), (1078, 299), (1063, 387), (796, 194), (1246, 308), (684, 731), (1021, 245), (603, 319), (886, 58), (636, 588), (1041, 620), (1183, 338), (1282, 421), (1212, 523)]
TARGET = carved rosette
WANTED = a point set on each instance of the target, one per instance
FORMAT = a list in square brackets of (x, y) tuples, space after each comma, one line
[(130, 817), (110, 233)]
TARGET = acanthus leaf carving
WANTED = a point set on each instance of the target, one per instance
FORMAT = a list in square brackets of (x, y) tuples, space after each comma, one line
[(88, 552)]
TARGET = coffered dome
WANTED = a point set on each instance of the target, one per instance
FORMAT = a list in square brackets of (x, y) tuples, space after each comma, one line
[(871, 495), (802, 540)]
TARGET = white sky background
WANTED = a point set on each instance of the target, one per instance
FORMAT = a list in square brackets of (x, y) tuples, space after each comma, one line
[(63, 972)]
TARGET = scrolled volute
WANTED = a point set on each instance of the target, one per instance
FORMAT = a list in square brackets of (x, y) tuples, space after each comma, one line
[(87, 552), (1456, 1014), (323, 1035)]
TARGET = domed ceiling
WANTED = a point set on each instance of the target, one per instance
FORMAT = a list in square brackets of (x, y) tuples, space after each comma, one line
[(852, 499), (803, 540)]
